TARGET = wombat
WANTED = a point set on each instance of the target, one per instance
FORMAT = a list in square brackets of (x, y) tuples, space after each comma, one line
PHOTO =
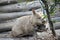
[(25, 25)]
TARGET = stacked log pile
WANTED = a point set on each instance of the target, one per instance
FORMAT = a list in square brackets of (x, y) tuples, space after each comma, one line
[(4, 3), (10, 10)]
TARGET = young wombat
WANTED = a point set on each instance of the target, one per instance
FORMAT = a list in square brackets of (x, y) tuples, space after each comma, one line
[(25, 25)]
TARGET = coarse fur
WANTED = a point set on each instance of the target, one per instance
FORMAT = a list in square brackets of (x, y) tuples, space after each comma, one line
[(25, 25)]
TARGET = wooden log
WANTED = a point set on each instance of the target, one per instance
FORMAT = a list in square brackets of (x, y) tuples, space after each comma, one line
[(7, 16), (56, 19), (57, 25), (5, 27), (6, 2), (20, 6)]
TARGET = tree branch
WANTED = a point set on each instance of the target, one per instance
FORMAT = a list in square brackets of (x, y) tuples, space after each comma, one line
[(49, 19)]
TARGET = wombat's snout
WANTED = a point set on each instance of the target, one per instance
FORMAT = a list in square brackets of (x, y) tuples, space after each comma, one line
[(41, 27)]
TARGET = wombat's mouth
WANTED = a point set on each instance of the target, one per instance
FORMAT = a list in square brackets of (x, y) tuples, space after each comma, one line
[(40, 27)]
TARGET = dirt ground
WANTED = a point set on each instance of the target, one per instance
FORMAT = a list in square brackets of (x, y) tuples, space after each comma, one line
[(37, 36)]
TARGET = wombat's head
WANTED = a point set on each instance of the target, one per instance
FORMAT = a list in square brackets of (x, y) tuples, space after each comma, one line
[(37, 18)]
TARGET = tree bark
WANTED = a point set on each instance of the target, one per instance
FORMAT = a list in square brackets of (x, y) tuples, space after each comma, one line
[(48, 16), (6, 2), (20, 7)]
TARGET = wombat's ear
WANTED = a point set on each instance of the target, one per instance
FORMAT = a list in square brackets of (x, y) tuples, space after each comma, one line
[(33, 11)]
